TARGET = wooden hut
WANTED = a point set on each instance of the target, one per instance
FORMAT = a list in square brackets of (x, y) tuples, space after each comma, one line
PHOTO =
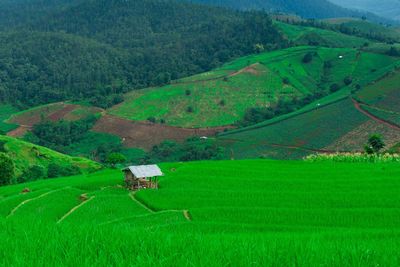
[(144, 176)]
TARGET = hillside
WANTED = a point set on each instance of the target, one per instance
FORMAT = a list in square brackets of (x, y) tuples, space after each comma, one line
[(26, 155), (98, 50), (204, 211), (344, 124), (384, 8), (221, 97), (316, 9)]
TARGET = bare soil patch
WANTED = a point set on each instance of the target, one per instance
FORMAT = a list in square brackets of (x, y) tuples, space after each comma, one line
[(252, 69), (145, 135), (20, 131), (354, 141)]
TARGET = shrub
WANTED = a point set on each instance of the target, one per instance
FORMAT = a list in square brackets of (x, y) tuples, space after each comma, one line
[(222, 103), (3, 146), (348, 80), (115, 158), (7, 170), (189, 109), (375, 144), (188, 92), (162, 121), (32, 174), (308, 57), (55, 170), (286, 80), (334, 87), (152, 119)]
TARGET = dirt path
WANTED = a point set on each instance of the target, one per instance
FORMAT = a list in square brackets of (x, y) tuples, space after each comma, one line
[(74, 209), (357, 105), (132, 196), (31, 199)]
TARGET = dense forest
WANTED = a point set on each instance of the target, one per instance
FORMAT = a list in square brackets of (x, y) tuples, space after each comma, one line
[(94, 49), (317, 9)]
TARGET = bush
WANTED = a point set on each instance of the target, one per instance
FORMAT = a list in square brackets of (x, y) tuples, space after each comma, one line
[(286, 80), (115, 158), (189, 109), (188, 92), (308, 57), (32, 174), (7, 170), (55, 170), (334, 87), (222, 103), (348, 80), (3, 146), (152, 119)]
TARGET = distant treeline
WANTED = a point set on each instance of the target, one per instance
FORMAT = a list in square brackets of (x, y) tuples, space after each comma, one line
[(96, 49)]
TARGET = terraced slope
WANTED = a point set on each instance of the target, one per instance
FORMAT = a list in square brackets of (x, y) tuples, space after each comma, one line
[(26, 155), (340, 126), (221, 97), (212, 213)]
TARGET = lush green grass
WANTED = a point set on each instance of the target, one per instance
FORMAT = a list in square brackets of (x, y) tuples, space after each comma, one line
[(302, 35), (5, 112), (244, 213), (26, 155), (384, 94), (259, 83)]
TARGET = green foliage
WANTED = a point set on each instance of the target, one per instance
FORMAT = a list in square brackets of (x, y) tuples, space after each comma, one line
[(191, 150), (7, 170), (63, 53), (33, 173), (114, 159), (308, 57), (375, 144), (61, 134), (57, 170), (394, 52)]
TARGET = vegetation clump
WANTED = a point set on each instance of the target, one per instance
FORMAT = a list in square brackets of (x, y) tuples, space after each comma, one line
[(7, 170)]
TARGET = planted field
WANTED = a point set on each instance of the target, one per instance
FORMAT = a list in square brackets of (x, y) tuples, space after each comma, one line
[(240, 213), (53, 112), (302, 35), (335, 127), (222, 97)]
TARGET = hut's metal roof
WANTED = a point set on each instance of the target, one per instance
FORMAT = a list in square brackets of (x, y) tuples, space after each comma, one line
[(144, 171)]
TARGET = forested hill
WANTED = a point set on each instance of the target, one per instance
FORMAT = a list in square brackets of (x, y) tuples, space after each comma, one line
[(98, 49), (304, 8)]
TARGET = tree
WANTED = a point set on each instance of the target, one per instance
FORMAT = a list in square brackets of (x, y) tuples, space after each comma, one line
[(375, 144), (115, 158), (3, 146), (308, 57), (7, 170)]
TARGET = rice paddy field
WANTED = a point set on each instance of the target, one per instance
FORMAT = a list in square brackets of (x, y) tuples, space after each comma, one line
[(227, 213), (221, 97)]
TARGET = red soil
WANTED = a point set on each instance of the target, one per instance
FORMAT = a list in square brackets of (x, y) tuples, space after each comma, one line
[(145, 135)]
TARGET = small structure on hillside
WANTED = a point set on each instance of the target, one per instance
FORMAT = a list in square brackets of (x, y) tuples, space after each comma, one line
[(143, 176)]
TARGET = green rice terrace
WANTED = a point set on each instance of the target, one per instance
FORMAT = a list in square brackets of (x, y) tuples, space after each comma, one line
[(237, 213), (221, 97)]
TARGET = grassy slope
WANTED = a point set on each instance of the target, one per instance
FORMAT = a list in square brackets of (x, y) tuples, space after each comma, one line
[(26, 154), (257, 85), (262, 213), (5, 112), (301, 35)]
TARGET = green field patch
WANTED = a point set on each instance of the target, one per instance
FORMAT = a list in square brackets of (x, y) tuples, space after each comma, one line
[(253, 81), (312, 130), (50, 207), (5, 113)]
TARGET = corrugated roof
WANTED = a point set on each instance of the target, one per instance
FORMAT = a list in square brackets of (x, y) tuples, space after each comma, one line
[(144, 171)]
